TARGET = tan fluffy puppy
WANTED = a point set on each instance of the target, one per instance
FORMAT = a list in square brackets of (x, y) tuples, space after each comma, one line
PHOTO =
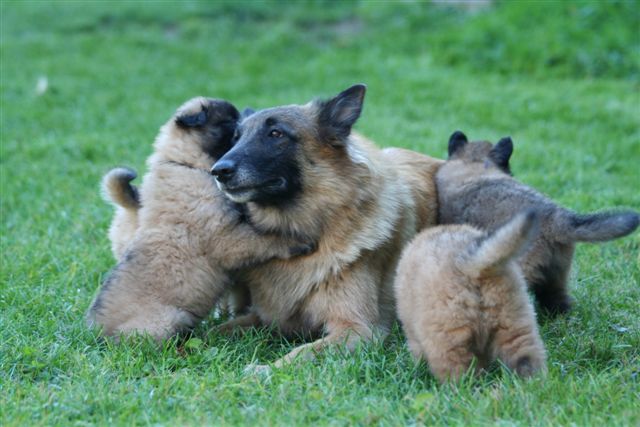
[(475, 187), (188, 236), (461, 296)]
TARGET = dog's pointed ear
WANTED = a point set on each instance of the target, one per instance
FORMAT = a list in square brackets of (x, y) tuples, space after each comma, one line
[(457, 140), (501, 153), (246, 113), (337, 115)]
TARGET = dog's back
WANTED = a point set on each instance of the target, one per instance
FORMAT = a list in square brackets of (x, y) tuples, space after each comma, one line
[(461, 296), (417, 171), (475, 187)]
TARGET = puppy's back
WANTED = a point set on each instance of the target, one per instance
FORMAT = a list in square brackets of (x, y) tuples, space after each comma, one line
[(457, 287)]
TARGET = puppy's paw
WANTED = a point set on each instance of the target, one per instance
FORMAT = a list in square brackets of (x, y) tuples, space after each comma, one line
[(259, 371)]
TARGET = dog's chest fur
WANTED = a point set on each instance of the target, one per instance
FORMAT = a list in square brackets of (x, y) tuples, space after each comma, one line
[(351, 274)]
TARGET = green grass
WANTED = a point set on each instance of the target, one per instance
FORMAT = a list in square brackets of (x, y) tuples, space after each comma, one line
[(561, 78)]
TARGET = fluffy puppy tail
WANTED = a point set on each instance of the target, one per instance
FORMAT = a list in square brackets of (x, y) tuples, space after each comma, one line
[(596, 227), (117, 188), (506, 243)]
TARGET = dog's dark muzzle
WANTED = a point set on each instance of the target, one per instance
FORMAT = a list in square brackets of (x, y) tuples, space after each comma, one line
[(224, 170)]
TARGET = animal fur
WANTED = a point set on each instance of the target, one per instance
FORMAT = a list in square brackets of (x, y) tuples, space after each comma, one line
[(462, 296), (117, 189), (301, 172), (188, 236), (475, 186)]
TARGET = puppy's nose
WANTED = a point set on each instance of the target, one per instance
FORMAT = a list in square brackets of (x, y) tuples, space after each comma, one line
[(224, 170)]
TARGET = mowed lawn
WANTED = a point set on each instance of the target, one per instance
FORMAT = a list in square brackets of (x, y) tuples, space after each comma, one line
[(85, 86)]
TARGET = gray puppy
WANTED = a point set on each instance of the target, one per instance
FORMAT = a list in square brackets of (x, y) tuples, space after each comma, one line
[(475, 187)]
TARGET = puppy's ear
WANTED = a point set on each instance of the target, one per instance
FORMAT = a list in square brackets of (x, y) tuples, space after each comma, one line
[(337, 115), (457, 140), (501, 153), (191, 120), (246, 113)]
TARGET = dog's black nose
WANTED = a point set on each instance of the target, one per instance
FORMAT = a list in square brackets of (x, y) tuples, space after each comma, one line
[(224, 170)]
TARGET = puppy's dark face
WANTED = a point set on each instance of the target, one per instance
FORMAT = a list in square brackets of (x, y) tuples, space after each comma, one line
[(210, 123), (481, 151), (273, 149)]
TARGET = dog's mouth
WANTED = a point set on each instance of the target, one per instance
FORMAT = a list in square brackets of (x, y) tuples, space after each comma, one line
[(245, 193)]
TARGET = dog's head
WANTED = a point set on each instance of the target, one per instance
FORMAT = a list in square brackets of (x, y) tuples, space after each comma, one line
[(273, 148), (481, 152), (203, 125)]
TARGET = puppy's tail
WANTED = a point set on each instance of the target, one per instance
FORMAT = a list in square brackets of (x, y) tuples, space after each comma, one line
[(596, 227), (117, 188), (506, 243)]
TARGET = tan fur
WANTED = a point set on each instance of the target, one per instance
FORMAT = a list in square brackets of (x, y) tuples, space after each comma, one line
[(118, 191), (475, 187), (461, 296), (363, 205), (189, 237)]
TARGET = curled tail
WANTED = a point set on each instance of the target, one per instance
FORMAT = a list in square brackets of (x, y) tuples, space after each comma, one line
[(117, 188), (506, 243), (597, 227)]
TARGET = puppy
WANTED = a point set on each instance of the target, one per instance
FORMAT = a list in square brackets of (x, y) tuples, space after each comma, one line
[(461, 295), (475, 186), (188, 236)]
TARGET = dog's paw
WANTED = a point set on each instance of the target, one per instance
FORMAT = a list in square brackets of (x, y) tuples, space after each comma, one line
[(258, 371)]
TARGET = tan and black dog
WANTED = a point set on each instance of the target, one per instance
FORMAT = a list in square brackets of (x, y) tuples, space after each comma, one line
[(462, 296), (180, 237), (299, 171), (475, 187)]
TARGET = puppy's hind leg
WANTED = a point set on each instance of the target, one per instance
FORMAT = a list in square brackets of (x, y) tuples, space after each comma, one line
[(450, 354), (521, 349), (551, 288)]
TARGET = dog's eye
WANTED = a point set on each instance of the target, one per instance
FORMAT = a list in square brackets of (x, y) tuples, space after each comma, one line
[(236, 135), (275, 133)]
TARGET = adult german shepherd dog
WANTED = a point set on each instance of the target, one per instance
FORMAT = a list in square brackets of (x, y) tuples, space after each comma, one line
[(299, 171)]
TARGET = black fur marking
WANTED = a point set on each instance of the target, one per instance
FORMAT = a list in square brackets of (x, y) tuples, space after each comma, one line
[(501, 153), (523, 365), (98, 304), (457, 140), (193, 120), (219, 139), (550, 292), (242, 212), (266, 160), (338, 114)]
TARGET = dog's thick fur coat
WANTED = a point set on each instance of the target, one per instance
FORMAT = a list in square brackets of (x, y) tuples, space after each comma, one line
[(475, 187), (180, 238), (462, 296), (363, 205)]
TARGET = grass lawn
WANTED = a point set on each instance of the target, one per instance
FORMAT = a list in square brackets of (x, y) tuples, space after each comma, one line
[(562, 78)]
